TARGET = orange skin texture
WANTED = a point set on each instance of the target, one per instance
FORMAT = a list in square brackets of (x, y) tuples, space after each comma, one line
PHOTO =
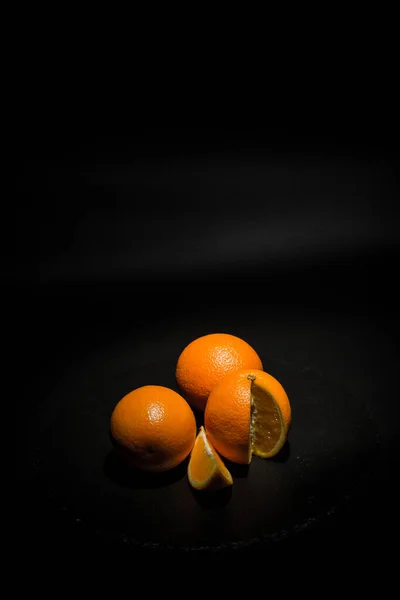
[(207, 359), (228, 412), (227, 417), (153, 428)]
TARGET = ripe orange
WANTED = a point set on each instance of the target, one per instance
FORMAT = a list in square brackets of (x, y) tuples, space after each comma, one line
[(248, 413), (207, 359), (153, 428), (206, 470)]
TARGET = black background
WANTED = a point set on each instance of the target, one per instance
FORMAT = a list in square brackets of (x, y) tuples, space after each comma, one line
[(289, 227)]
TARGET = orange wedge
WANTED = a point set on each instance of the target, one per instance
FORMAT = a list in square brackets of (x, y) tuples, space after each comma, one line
[(206, 470), (248, 412)]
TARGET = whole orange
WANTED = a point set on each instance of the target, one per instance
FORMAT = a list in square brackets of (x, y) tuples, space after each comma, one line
[(247, 413), (153, 428), (207, 359)]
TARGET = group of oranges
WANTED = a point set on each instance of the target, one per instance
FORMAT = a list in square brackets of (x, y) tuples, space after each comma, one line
[(245, 411)]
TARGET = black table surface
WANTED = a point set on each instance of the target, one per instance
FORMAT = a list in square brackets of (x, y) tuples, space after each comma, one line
[(124, 258)]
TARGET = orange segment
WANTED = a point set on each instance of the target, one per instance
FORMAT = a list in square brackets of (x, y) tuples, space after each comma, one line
[(248, 413), (270, 416), (206, 471)]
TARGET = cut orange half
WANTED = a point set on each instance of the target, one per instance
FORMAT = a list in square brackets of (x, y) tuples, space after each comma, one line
[(206, 470), (247, 413)]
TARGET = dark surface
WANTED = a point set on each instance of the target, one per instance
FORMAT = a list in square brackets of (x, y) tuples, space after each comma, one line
[(129, 250)]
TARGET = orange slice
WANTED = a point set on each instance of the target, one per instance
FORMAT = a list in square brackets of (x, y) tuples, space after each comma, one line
[(206, 470), (270, 416)]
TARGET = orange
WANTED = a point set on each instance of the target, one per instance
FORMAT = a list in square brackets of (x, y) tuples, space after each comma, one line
[(248, 413), (206, 470), (207, 359), (153, 428)]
